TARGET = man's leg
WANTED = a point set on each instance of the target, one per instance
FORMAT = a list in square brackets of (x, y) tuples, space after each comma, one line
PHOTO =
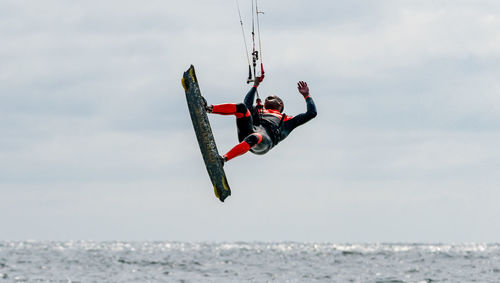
[(239, 110), (244, 146), (244, 123)]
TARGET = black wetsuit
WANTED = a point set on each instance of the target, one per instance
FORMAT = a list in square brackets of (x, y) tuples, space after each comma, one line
[(265, 128)]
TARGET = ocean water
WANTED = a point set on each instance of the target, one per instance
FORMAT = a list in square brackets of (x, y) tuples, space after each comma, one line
[(85, 261)]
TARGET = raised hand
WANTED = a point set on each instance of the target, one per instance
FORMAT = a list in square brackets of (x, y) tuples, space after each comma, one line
[(303, 88), (258, 80)]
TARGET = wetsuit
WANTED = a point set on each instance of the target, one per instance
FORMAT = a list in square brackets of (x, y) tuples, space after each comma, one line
[(261, 129)]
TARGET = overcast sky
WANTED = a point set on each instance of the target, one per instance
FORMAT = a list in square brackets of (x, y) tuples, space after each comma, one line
[(96, 141)]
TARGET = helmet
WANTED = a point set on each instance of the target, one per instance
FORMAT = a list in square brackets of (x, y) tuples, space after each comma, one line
[(274, 102)]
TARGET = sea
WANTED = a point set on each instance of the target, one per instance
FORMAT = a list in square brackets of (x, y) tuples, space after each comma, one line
[(117, 261)]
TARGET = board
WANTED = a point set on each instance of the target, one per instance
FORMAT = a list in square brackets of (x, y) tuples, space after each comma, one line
[(204, 134)]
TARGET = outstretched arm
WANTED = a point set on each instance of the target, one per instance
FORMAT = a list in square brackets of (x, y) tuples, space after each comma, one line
[(249, 98), (311, 107), (304, 117)]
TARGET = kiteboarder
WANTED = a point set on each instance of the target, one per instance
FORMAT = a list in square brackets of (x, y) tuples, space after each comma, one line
[(261, 127)]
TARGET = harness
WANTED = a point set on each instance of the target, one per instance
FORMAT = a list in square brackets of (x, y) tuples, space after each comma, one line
[(273, 129)]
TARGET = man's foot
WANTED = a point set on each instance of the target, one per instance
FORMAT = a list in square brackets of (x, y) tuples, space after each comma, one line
[(222, 160), (207, 107)]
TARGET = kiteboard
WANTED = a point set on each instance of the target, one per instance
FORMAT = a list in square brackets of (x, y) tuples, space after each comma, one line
[(204, 135)]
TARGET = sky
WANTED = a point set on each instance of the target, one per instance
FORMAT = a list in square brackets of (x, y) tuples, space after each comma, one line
[(97, 144)]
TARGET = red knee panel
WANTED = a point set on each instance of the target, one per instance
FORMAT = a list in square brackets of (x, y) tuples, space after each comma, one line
[(254, 139), (260, 138)]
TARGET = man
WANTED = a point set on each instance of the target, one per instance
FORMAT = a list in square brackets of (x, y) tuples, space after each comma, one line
[(260, 128)]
